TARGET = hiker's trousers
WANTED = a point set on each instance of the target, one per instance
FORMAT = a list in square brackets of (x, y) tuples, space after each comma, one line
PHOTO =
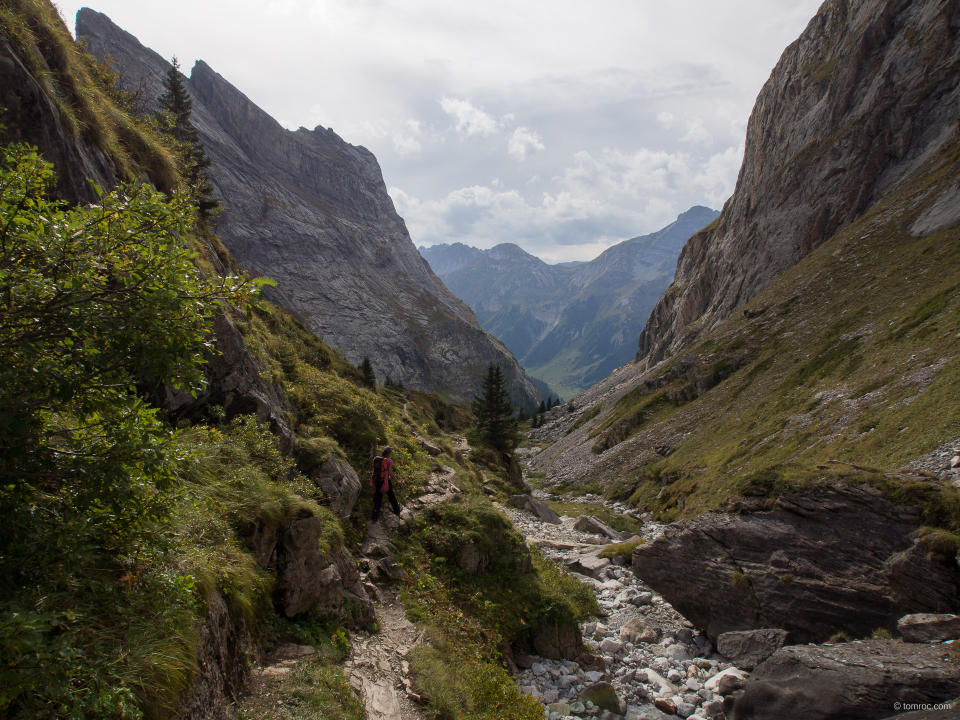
[(378, 501)]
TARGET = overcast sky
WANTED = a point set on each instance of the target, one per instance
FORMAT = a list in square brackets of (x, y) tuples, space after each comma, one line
[(561, 126)]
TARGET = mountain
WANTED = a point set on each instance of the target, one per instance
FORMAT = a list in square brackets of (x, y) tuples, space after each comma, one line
[(570, 325), (836, 129), (312, 212)]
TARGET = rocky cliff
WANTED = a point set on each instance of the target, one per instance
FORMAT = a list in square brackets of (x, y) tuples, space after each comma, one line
[(866, 95), (569, 325), (312, 212)]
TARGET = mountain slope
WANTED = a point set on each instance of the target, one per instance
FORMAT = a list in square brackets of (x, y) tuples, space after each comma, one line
[(859, 102), (312, 212), (570, 326), (852, 355)]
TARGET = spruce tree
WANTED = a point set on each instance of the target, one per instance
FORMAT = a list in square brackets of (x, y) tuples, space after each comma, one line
[(543, 407), (176, 110), (494, 412), (366, 369)]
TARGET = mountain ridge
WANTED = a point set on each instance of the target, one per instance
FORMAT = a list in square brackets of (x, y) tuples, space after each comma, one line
[(312, 212), (569, 326)]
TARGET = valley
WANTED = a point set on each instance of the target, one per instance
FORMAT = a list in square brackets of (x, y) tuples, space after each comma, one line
[(213, 328)]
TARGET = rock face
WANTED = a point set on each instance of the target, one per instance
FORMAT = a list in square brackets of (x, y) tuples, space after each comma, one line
[(852, 681), (312, 212), (868, 93), (840, 558), (235, 382), (31, 116), (585, 316)]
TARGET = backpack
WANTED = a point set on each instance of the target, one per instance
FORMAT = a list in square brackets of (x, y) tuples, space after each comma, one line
[(379, 471)]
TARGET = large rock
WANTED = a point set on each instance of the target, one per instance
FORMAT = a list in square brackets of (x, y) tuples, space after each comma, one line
[(537, 507), (596, 526), (849, 681), (603, 695), (559, 641), (851, 107), (589, 565), (312, 212), (636, 631), (305, 576), (749, 648), (358, 609), (929, 627), (339, 482), (837, 558)]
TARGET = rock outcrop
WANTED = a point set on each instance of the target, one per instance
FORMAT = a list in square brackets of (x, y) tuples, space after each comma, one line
[(868, 93), (312, 212), (852, 681), (31, 115), (841, 558), (339, 482)]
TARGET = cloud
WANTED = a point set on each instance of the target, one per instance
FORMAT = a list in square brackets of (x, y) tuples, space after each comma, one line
[(522, 141), (406, 145), (280, 8), (471, 120)]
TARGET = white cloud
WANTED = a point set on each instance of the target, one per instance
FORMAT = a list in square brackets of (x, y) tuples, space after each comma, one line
[(471, 120), (523, 141), (280, 8), (406, 145)]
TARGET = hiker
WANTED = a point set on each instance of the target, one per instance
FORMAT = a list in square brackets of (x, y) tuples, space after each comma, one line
[(382, 482)]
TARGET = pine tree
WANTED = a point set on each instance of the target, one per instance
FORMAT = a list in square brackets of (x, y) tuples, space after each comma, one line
[(549, 401), (494, 412), (176, 109), (543, 407), (366, 369), (522, 416)]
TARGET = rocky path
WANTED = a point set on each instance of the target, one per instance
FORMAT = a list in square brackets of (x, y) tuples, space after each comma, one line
[(378, 664), (656, 663)]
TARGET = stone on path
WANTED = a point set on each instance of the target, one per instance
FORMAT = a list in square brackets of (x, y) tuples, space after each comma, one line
[(537, 507), (929, 627), (603, 695), (595, 526), (589, 565), (381, 700), (636, 631), (713, 683)]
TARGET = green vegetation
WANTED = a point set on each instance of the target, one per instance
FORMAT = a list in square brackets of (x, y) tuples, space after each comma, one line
[(494, 413), (86, 93), (847, 380), (174, 120), (881, 634), (471, 580), (624, 550), (739, 581)]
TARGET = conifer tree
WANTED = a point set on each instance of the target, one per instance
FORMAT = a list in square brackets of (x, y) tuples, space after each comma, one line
[(176, 110), (543, 407), (522, 416), (366, 369), (494, 412)]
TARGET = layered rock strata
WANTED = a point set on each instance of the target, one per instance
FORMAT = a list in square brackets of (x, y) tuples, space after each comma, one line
[(841, 558)]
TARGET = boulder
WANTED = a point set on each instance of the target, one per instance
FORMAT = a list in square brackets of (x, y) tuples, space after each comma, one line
[(713, 684), (636, 631), (305, 577), (358, 607), (589, 565), (471, 561), (595, 526), (929, 627), (340, 483), (537, 507), (839, 556), (854, 681), (428, 447), (603, 695), (748, 648)]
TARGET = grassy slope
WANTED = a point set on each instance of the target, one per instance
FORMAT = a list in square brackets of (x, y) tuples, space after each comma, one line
[(853, 355)]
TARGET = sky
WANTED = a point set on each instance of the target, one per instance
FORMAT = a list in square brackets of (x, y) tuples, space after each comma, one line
[(562, 126)]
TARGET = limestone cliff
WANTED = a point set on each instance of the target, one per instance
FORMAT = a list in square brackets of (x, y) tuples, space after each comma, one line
[(312, 212), (868, 93)]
